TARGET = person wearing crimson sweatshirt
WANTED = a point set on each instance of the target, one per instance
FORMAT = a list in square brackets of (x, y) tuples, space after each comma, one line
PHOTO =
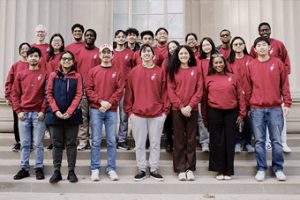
[(224, 48), (104, 88), (226, 109), (161, 36), (237, 63), (147, 106), (87, 57), (11, 77), (40, 34), (57, 47), (267, 87), (191, 40), (77, 32), (185, 88), (278, 50), (123, 61), (29, 103), (132, 36)]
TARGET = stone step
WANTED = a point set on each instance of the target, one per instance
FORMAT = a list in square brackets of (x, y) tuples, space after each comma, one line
[(207, 185), (242, 168)]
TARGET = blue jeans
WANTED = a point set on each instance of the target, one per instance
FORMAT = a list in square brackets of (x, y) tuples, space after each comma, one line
[(32, 129), (97, 119), (123, 127), (273, 119)]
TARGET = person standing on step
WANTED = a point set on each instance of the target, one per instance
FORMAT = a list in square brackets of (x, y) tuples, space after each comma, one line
[(40, 36), (104, 88), (78, 43), (191, 40), (63, 116), (29, 103), (132, 39), (224, 48)]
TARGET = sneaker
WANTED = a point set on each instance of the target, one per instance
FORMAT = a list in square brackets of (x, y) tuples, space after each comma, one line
[(286, 148), (280, 176), (95, 175), (190, 175), (72, 177), (260, 175), (140, 176), (157, 176), (123, 146), (205, 148), (226, 177), (112, 174), (50, 147), (182, 176), (220, 177), (21, 174), (249, 148), (39, 174), (237, 148), (16, 147), (268, 146), (82, 147), (56, 177)]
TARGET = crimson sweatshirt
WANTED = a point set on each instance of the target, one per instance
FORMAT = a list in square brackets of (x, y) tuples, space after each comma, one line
[(137, 59), (278, 50), (29, 91), (267, 84), (146, 92), (225, 52), (15, 68), (162, 51), (104, 84), (53, 63), (204, 63), (43, 47), (75, 47), (186, 89), (123, 61)]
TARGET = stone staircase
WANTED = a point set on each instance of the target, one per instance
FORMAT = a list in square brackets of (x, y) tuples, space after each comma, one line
[(243, 182)]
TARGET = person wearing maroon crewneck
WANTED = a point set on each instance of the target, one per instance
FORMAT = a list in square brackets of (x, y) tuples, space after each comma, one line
[(11, 77), (132, 37), (29, 103), (123, 61), (191, 40), (224, 48), (147, 106), (77, 32), (57, 47), (185, 88), (87, 57), (238, 61), (278, 50), (161, 36), (266, 89), (40, 36), (207, 48)]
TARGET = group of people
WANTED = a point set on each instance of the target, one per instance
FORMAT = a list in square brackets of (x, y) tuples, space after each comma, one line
[(221, 93)]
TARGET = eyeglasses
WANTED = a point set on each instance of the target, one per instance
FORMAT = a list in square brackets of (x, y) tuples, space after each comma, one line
[(215, 55), (238, 44), (66, 59)]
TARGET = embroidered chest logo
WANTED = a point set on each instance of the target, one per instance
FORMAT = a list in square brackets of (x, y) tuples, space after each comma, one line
[(192, 73), (95, 56), (114, 74), (126, 57), (247, 63), (153, 77), (39, 77), (230, 79), (272, 67), (271, 50)]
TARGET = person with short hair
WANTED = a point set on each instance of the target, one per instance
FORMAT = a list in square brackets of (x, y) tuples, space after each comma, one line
[(161, 36), (224, 48), (40, 32), (77, 33), (132, 39)]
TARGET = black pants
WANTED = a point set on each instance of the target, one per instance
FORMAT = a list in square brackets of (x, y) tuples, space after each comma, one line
[(185, 132), (222, 129), (61, 136), (16, 128), (246, 136), (168, 126)]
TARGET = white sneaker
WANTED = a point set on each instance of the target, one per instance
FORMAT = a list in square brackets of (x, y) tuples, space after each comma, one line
[(268, 146), (237, 148), (112, 174), (280, 176), (190, 175), (182, 176), (95, 175), (249, 148), (260, 175), (227, 177), (220, 177), (205, 148), (81, 147), (286, 148)]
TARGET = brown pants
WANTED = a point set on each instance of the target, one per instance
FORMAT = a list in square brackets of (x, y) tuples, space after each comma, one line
[(185, 132)]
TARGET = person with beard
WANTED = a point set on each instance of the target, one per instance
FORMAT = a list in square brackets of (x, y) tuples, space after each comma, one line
[(161, 49), (224, 48), (29, 103), (132, 36), (87, 57), (77, 32), (40, 36)]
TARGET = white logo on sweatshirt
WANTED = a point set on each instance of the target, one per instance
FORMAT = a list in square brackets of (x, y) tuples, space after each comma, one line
[(40, 77), (126, 57), (153, 77), (247, 63), (230, 79), (272, 67), (114, 74), (192, 73), (271, 50), (95, 56)]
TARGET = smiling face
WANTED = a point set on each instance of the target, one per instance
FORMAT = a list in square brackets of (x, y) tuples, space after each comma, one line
[(147, 54), (262, 48), (89, 37), (191, 41), (131, 38), (56, 43), (33, 59), (106, 55), (265, 31), (162, 36), (218, 65), (67, 61), (120, 38), (206, 46), (77, 34), (171, 47), (225, 37), (184, 55), (23, 50), (147, 39), (238, 45)]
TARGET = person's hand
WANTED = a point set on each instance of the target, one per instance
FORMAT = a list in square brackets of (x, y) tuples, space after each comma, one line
[(239, 120), (21, 116), (186, 111), (8, 102), (105, 104), (41, 116), (286, 111), (59, 115), (66, 116), (249, 113), (102, 109)]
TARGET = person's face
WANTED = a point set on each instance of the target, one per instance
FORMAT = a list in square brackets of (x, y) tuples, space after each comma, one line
[(225, 37), (171, 48), (191, 41), (218, 65), (106, 55), (265, 31), (40, 35), (121, 38), (147, 54), (66, 61), (206, 46), (184, 55), (262, 48), (89, 37), (238, 46), (147, 39), (33, 59), (77, 34), (162, 36), (23, 50), (131, 38), (56, 43)]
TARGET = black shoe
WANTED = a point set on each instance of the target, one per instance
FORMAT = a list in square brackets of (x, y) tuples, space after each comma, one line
[(16, 147), (157, 176), (169, 148), (21, 174), (140, 176), (147, 143), (39, 174), (50, 147), (123, 146), (72, 177), (55, 177)]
